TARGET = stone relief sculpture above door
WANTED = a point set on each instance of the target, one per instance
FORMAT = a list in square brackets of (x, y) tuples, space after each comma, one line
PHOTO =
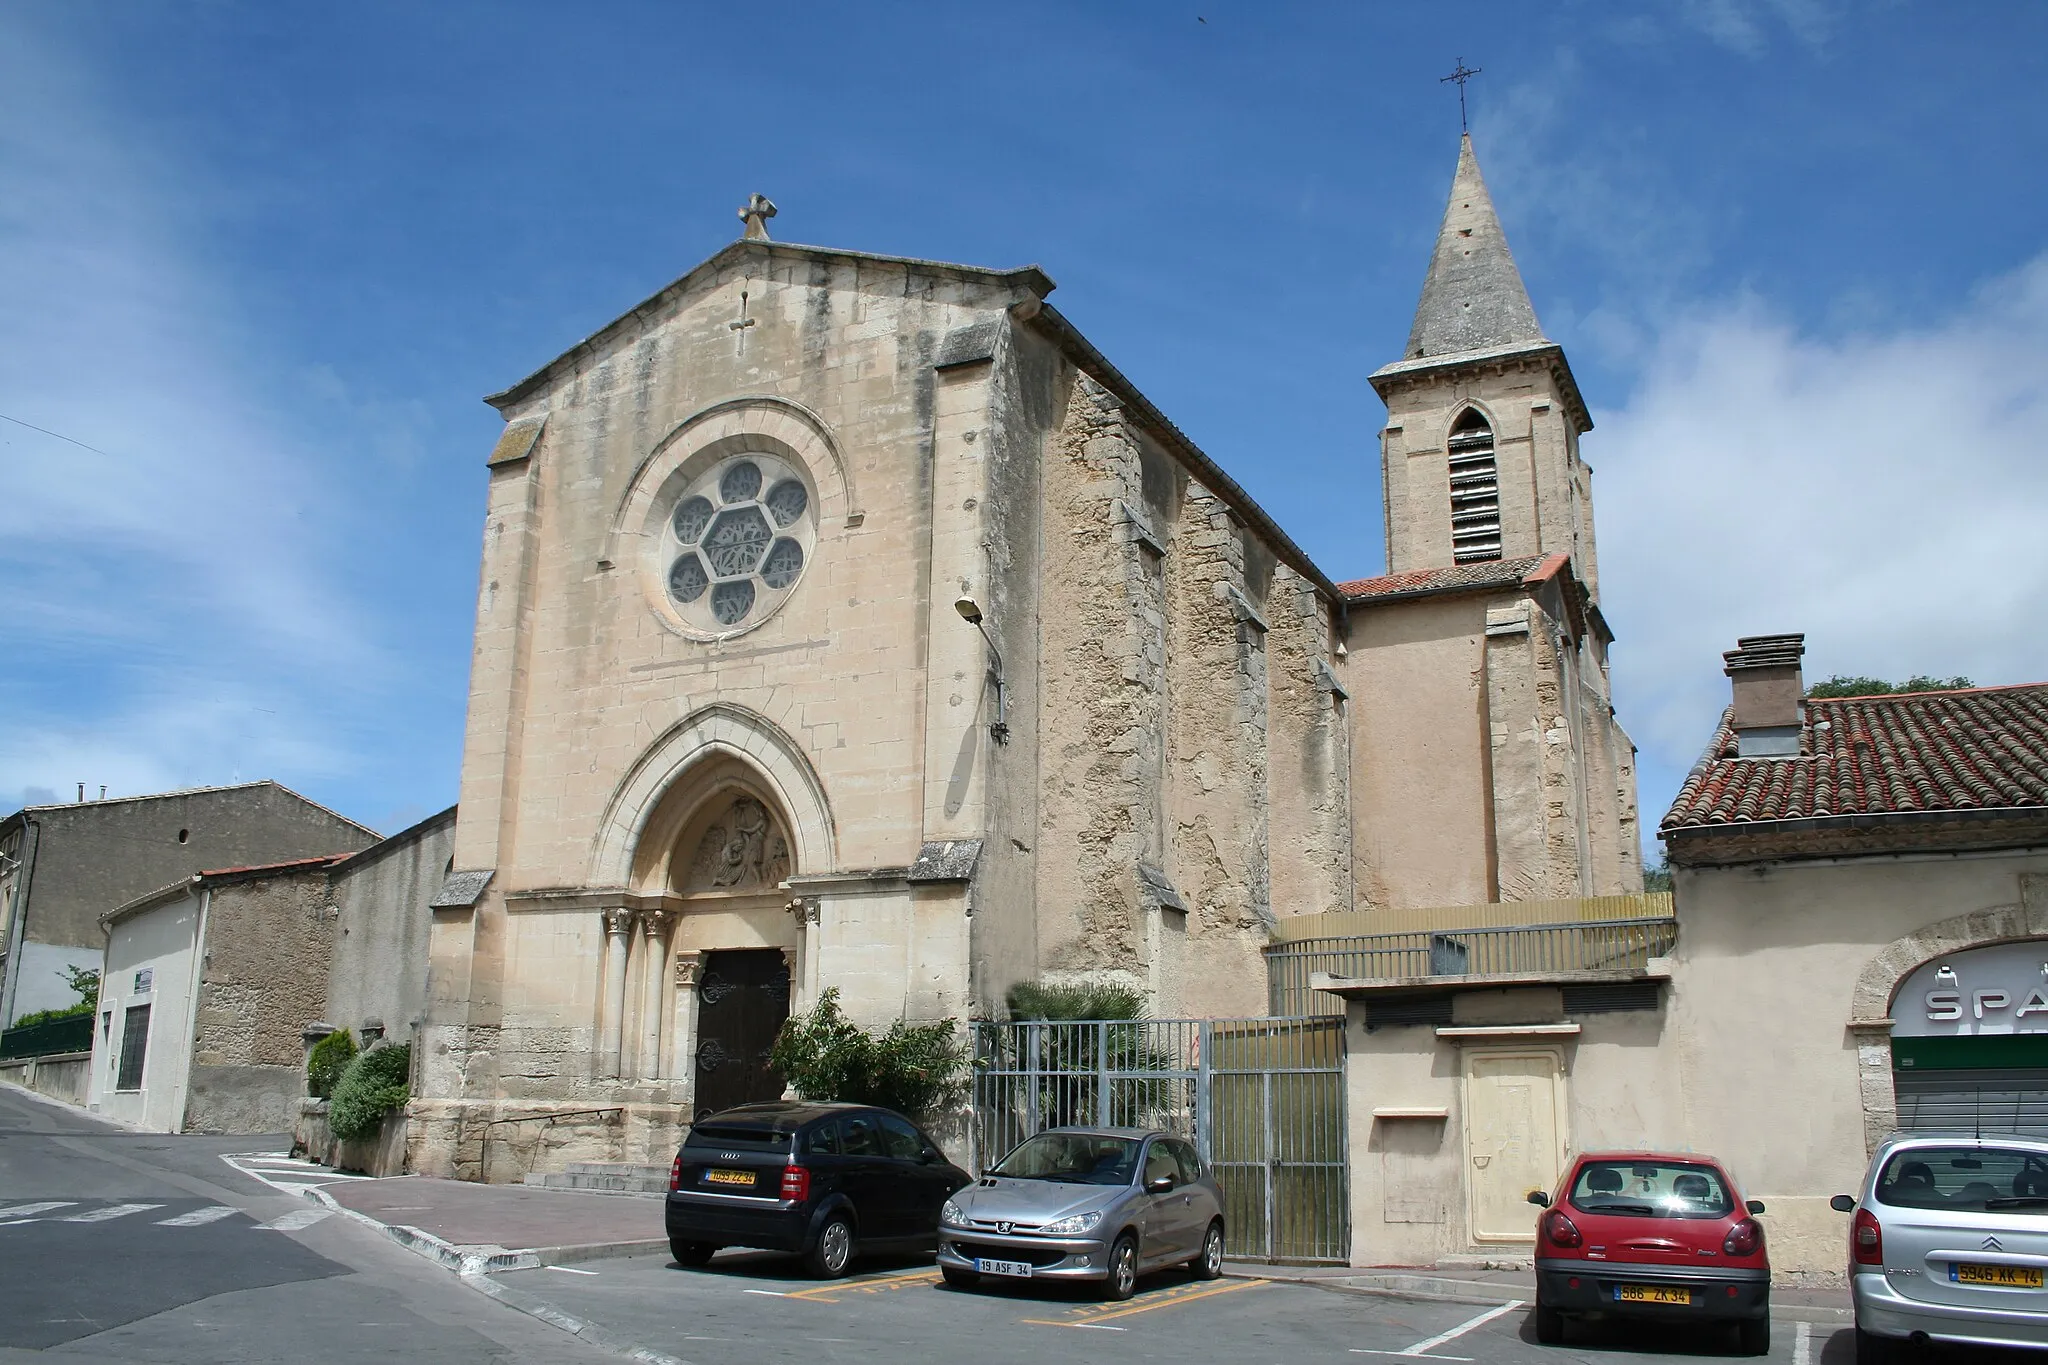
[(743, 849)]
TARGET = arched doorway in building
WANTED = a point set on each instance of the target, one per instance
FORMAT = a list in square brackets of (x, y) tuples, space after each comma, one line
[(716, 852), (1969, 1040)]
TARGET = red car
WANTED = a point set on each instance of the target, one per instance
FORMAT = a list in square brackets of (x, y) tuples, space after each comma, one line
[(1651, 1235)]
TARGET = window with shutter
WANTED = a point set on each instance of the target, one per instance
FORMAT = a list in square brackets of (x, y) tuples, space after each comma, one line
[(134, 1043), (1475, 491)]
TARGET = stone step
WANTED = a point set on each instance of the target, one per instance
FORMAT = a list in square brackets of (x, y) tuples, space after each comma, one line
[(614, 1168)]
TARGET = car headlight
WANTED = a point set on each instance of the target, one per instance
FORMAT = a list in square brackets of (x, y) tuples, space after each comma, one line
[(1071, 1224), (950, 1212)]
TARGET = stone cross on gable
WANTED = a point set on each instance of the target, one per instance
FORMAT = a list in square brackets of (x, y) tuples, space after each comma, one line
[(760, 208)]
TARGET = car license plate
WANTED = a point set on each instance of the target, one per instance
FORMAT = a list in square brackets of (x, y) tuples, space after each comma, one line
[(1650, 1293), (2012, 1276), (1019, 1269), (715, 1176)]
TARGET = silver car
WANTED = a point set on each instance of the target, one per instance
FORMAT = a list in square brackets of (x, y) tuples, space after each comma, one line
[(1950, 1243), (1104, 1204)]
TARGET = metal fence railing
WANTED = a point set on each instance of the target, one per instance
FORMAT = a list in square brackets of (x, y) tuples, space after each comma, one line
[(1262, 1099), (1599, 945), (41, 1040)]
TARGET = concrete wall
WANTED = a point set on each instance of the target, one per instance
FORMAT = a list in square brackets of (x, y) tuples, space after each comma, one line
[(86, 859), (65, 1076), (163, 940), (263, 977)]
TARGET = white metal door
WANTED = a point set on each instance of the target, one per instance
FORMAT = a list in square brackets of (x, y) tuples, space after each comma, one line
[(1514, 1137)]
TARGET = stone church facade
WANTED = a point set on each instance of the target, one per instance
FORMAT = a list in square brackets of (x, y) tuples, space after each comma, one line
[(850, 621)]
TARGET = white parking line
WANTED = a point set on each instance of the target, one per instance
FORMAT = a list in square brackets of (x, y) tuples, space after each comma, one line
[(112, 1211), (770, 1293), (571, 1270), (1802, 1345), (198, 1216), (1423, 1348), (292, 1222)]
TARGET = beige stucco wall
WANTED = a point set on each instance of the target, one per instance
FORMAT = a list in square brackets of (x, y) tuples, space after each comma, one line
[(162, 939), (1750, 1056)]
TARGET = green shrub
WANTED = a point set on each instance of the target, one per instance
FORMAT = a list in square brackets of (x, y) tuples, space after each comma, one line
[(51, 1016), (915, 1069), (1840, 686), (374, 1084), (330, 1057), (1077, 1000)]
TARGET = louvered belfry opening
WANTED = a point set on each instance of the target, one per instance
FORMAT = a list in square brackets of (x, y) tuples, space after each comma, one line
[(1475, 491)]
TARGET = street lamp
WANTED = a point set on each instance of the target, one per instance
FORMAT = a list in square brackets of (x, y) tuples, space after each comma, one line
[(970, 612)]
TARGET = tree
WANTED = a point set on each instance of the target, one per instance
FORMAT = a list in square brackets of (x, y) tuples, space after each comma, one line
[(1657, 876), (1843, 686)]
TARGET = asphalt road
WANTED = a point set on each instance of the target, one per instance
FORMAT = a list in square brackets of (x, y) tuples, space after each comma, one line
[(138, 1247), (754, 1309)]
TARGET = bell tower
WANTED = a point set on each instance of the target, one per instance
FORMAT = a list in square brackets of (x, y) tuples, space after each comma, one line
[(1479, 459)]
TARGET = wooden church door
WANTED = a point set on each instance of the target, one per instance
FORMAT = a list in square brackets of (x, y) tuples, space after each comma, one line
[(743, 997)]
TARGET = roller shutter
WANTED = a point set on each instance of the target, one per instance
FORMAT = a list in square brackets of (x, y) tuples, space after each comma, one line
[(1991, 1084)]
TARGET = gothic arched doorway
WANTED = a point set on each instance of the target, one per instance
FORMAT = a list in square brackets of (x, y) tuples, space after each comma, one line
[(727, 871)]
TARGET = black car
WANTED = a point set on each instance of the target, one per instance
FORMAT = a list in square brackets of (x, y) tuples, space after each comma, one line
[(822, 1180)]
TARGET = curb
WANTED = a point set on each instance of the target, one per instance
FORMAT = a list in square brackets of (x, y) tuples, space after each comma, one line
[(587, 1332), (597, 1251)]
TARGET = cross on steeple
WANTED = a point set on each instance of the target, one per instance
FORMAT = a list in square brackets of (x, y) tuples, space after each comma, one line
[(759, 209), (1460, 76)]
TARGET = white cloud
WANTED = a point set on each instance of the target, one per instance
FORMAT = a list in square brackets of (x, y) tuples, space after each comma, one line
[(167, 588), (1883, 492)]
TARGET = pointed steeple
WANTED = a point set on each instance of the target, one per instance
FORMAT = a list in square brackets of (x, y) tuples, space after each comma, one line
[(1473, 298)]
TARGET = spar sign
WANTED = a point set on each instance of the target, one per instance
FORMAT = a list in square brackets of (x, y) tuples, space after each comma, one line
[(2000, 989)]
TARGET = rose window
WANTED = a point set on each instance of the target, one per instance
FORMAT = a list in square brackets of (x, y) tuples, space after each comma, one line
[(737, 542)]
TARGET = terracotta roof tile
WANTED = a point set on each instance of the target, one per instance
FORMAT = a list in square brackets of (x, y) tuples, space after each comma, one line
[(1491, 573), (1981, 749)]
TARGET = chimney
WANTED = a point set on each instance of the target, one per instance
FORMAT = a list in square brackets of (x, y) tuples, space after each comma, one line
[(1763, 671)]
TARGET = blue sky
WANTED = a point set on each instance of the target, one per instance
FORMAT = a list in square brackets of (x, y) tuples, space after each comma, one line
[(265, 258)]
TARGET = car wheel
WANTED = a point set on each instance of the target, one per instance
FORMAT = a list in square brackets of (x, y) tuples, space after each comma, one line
[(1209, 1265), (691, 1253), (1755, 1336), (1549, 1325), (1123, 1269), (1874, 1350), (959, 1279), (832, 1253)]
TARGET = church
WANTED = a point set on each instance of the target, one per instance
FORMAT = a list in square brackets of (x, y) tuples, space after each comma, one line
[(850, 621)]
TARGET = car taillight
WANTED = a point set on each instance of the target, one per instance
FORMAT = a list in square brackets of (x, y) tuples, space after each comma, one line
[(675, 1173), (1560, 1230), (1866, 1239), (1744, 1239), (796, 1183)]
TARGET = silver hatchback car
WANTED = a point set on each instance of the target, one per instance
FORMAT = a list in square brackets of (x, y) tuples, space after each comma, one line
[(1102, 1204), (1950, 1243)]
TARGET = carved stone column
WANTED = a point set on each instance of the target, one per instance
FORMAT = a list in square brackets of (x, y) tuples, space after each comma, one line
[(653, 985), (802, 960), (684, 1052), (618, 925)]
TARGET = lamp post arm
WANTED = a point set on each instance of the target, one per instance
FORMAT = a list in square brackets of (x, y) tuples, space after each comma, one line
[(1000, 730)]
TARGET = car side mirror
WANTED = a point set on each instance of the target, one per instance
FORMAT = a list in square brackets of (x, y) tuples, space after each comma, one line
[(931, 1156), (1159, 1184), (1539, 1199), (1755, 1206), (1843, 1203)]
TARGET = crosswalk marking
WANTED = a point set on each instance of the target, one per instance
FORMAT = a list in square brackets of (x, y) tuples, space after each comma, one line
[(30, 1210), (292, 1222), (110, 1212), (197, 1217)]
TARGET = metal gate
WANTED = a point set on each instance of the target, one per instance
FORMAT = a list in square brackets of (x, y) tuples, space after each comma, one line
[(1263, 1100)]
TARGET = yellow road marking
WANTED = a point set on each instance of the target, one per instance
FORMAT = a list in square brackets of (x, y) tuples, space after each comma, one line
[(1166, 1300), (829, 1293)]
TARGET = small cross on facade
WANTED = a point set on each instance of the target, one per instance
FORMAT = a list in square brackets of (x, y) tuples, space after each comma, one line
[(740, 324), (760, 208), (1460, 76)]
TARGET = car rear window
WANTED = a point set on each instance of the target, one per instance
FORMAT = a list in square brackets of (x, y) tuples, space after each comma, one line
[(1651, 1189), (1968, 1178), (740, 1137)]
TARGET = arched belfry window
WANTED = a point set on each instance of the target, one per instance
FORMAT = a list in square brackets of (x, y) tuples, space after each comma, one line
[(1475, 490)]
